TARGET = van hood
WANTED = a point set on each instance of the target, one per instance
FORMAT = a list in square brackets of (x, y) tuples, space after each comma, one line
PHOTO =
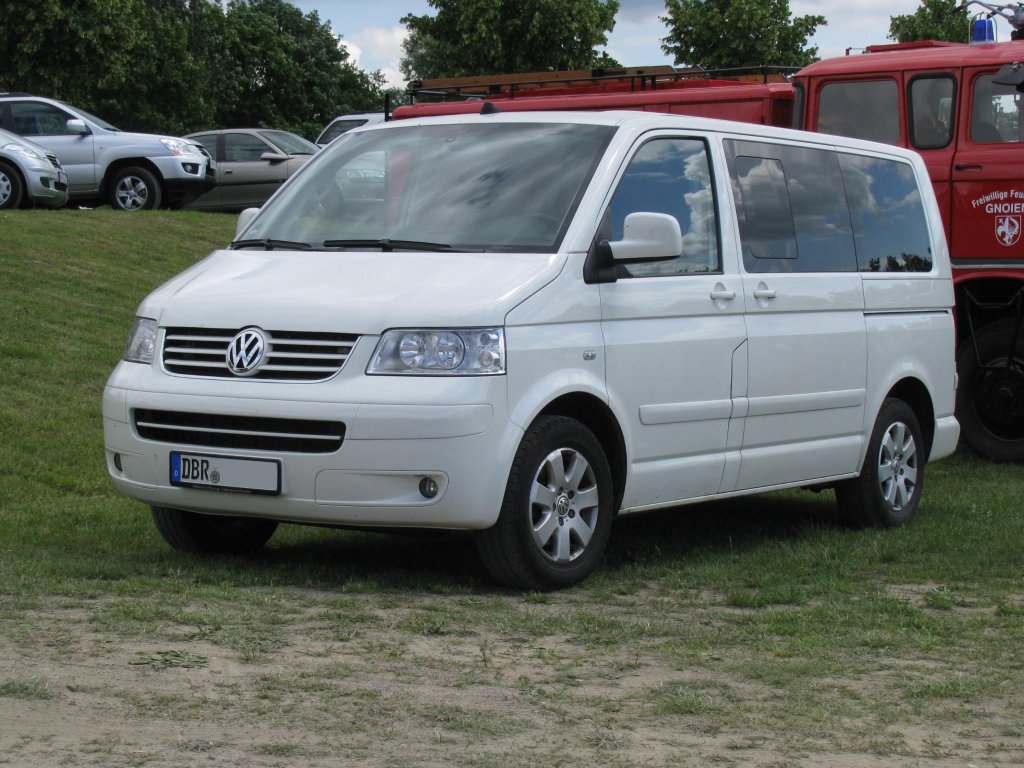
[(349, 292)]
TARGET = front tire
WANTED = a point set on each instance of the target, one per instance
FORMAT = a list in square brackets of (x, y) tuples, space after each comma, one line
[(556, 516), (888, 490), (211, 534), (134, 189), (12, 190), (990, 398)]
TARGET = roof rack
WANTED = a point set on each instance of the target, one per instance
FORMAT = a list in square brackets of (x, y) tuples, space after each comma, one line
[(598, 79)]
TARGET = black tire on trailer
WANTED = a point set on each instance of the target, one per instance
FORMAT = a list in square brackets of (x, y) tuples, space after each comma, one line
[(990, 395), (888, 490), (556, 516), (211, 534)]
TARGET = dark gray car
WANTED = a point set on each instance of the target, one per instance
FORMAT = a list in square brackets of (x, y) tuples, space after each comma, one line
[(251, 164)]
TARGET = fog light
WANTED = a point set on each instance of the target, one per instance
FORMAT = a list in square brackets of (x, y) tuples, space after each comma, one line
[(190, 167), (117, 462), (428, 488)]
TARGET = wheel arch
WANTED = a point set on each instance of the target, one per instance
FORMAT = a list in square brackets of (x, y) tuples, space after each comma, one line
[(914, 393), (127, 162), (596, 416)]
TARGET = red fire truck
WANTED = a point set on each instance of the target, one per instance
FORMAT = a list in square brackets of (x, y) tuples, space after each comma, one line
[(960, 105)]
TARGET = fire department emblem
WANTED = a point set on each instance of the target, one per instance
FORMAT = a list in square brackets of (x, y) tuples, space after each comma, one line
[(1007, 229)]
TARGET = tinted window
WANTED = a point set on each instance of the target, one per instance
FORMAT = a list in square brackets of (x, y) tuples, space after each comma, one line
[(31, 119), (889, 224), (671, 176), (241, 147), (931, 111), (864, 110), (994, 114), (791, 207)]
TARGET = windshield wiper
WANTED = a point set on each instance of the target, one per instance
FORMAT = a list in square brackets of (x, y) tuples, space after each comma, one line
[(387, 244), (269, 244)]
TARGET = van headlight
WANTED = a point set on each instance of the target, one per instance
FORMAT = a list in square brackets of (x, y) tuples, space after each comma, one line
[(440, 352), (141, 341)]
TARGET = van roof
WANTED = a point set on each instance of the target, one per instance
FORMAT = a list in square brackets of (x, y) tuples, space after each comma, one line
[(888, 59)]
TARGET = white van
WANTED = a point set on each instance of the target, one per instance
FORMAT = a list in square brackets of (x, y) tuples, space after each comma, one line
[(526, 324)]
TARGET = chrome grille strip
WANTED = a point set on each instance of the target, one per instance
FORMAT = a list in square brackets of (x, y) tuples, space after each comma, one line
[(242, 432), (290, 356)]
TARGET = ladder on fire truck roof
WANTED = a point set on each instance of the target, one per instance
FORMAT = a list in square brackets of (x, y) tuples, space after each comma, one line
[(626, 78)]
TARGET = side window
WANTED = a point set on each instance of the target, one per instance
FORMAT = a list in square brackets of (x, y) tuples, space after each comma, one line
[(39, 119), (670, 176), (863, 110), (242, 148), (338, 127), (995, 117), (931, 111), (791, 207), (889, 224), (209, 142)]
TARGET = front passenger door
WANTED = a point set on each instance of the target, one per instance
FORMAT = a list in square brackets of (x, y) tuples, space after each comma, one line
[(673, 330)]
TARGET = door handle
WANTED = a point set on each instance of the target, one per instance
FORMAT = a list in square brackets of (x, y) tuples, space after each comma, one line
[(227, 171), (764, 293), (723, 295), (967, 167)]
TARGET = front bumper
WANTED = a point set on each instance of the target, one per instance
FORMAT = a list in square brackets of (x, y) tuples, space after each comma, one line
[(185, 178), (464, 445)]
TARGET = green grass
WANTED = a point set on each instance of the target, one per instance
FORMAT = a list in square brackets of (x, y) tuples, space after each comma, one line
[(757, 626)]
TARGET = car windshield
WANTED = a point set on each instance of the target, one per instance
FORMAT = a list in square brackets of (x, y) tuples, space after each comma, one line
[(289, 143), (465, 186)]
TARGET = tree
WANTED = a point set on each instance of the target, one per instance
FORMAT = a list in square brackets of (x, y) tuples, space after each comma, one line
[(934, 20), (718, 34), (488, 37)]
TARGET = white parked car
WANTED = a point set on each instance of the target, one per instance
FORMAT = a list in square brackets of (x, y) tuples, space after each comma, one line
[(531, 323), (29, 175), (130, 171), (345, 123)]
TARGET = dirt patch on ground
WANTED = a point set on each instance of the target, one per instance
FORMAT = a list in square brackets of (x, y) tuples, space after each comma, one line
[(443, 681)]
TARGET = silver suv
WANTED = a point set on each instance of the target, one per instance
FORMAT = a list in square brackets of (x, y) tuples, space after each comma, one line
[(29, 175), (130, 171)]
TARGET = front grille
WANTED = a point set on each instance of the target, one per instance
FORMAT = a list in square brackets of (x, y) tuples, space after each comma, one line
[(54, 161), (250, 433), (290, 356)]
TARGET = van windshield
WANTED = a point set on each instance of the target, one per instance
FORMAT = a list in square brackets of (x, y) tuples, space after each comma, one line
[(463, 187)]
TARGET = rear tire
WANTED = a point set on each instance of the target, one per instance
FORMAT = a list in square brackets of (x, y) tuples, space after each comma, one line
[(990, 398), (134, 189), (556, 516), (211, 534), (12, 190), (888, 490)]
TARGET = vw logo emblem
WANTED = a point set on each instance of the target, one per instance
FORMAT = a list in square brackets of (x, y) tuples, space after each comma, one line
[(245, 352)]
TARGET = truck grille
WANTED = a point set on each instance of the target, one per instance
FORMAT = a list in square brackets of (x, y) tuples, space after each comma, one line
[(290, 355), (250, 433)]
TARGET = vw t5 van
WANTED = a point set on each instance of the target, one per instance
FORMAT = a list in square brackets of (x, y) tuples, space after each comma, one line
[(525, 325)]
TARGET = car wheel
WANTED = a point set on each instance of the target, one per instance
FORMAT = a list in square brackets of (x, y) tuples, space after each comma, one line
[(888, 490), (211, 534), (134, 189), (12, 191), (556, 516), (990, 398)]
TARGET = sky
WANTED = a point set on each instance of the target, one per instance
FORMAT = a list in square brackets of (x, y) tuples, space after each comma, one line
[(373, 34)]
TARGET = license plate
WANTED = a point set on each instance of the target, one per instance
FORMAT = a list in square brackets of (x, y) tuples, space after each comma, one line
[(225, 473)]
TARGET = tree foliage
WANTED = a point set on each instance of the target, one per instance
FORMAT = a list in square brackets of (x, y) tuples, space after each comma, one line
[(718, 34), (934, 20), (487, 37), (176, 66)]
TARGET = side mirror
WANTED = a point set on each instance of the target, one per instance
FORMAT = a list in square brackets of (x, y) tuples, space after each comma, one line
[(648, 237), (244, 220), (1010, 74), (274, 157), (77, 126)]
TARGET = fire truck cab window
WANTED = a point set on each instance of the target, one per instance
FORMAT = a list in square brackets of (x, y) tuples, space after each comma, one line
[(931, 111), (670, 176), (861, 109), (995, 112)]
